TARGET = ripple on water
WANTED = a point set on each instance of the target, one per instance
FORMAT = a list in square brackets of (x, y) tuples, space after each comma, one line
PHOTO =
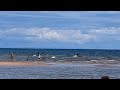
[(60, 71)]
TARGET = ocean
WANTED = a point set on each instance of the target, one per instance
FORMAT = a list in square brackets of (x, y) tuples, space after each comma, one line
[(70, 69), (60, 71), (21, 54)]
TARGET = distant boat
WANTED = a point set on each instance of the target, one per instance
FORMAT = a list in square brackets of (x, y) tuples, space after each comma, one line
[(53, 57)]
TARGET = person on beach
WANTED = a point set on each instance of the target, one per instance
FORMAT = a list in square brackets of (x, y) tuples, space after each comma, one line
[(77, 54), (39, 56), (38, 53), (27, 59), (12, 55)]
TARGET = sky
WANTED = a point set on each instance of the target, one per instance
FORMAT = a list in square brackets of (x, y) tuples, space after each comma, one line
[(60, 29)]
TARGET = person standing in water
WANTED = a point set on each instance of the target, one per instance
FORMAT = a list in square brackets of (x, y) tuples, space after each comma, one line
[(39, 56), (12, 55)]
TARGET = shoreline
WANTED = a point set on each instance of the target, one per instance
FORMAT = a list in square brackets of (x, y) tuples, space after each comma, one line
[(22, 63), (104, 62), (43, 63)]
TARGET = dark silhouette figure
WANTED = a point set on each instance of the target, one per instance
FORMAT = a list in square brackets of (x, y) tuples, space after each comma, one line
[(27, 59), (77, 54), (39, 56), (12, 55), (38, 53)]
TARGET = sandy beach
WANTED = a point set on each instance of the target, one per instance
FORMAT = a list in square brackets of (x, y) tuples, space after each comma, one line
[(22, 63), (42, 63)]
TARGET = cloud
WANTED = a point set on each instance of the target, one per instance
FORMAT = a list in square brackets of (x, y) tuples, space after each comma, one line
[(29, 14), (45, 34), (60, 14), (82, 38), (106, 34), (63, 36), (60, 19), (71, 36), (111, 31)]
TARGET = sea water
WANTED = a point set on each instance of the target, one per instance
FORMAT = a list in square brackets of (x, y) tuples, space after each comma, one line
[(70, 69), (22, 54), (60, 71)]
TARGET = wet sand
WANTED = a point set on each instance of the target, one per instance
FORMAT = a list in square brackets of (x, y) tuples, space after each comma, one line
[(22, 63), (59, 70), (91, 61), (42, 63)]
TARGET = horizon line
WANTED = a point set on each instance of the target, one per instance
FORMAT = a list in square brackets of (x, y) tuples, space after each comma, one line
[(56, 48)]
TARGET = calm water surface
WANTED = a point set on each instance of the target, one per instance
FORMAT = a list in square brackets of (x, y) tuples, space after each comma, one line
[(57, 70), (60, 71)]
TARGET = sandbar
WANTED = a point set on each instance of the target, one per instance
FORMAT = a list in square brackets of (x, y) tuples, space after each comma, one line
[(22, 63)]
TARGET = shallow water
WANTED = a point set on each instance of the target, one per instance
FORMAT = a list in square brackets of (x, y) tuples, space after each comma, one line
[(22, 54), (56, 70)]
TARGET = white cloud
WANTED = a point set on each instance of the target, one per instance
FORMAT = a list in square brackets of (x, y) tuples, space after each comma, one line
[(111, 33), (106, 31), (82, 38), (71, 36), (43, 34), (60, 35)]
